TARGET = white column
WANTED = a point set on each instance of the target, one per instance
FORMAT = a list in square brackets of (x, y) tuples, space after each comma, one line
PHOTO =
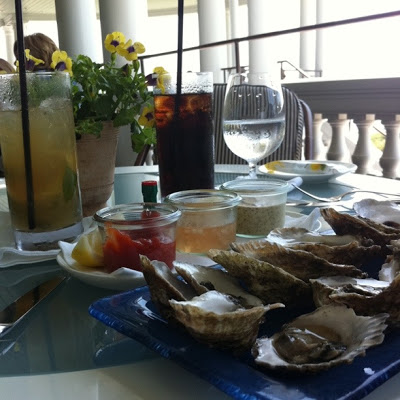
[(338, 149), (233, 19), (307, 39), (126, 16), (362, 155), (259, 59), (130, 18), (10, 36), (319, 40), (77, 28), (390, 159), (212, 28)]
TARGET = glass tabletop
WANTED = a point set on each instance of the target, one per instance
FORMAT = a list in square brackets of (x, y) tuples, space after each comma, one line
[(59, 335)]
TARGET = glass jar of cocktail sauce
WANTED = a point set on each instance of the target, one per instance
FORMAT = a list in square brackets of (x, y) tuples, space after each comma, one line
[(208, 219), (138, 228)]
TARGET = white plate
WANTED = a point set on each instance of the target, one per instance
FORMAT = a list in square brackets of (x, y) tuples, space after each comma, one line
[(127, 279), (121, 279), (312, 171)]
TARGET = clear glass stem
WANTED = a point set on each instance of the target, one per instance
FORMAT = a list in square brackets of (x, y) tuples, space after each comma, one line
[(252, 171)]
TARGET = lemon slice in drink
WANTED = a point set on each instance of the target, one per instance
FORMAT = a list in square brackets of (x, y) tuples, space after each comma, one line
[(89, 249)]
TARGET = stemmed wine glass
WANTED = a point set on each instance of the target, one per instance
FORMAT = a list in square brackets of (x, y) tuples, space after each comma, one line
[(253, 117)]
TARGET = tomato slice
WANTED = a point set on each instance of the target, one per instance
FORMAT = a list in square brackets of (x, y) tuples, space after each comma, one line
[(120, 250)]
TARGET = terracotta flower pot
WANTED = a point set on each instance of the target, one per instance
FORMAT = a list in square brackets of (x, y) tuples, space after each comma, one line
[(96, 164)]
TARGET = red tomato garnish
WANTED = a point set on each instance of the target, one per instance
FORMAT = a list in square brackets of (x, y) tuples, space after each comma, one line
[(122, 251)]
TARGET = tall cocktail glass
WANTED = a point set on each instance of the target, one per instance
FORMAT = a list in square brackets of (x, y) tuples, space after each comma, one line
[(185, 135), (54, 212)]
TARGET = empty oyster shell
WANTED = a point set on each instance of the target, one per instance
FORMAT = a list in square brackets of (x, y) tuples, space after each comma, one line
[(346, 224), (324, 287), (329, 336), (164, 285), (269, 283), (218, 320), (382, 212), (203, 279), (302, 264)]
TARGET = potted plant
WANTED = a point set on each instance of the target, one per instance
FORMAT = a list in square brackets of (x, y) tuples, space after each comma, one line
[(106, 97)]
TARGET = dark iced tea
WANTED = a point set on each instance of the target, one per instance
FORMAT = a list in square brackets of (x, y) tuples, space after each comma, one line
[(185, 144)]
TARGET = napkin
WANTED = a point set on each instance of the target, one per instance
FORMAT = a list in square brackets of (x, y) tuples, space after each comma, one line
[(9, 255), (310, 222)]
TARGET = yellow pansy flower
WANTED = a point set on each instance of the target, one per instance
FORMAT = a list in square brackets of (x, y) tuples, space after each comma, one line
[(31, 61), (147, 117), (113, 40), (160, 71), (61, 61), (130, 50)]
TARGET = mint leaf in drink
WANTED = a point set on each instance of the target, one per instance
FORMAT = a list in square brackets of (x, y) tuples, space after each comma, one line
[(69, 183)]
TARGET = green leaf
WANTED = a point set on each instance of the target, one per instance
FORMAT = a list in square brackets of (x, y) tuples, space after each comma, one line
[(69, 183)]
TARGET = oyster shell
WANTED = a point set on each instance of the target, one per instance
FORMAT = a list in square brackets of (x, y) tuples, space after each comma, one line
[(164, 285), (302, 264), (269, 283), (220, 321), (293, 236), (351, 254), (388, 300), (324, 287), (346, 224), (203, 279), (382, 212), (329, 336)]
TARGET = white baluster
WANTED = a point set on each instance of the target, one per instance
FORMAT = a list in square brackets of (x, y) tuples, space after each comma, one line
[(391, 153), (319, 151), (362, 155), (338, 149)]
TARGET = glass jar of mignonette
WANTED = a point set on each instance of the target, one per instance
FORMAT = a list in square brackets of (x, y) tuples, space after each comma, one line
[(263, 205)]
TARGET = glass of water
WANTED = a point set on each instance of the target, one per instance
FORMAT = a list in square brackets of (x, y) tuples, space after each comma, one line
[(254, 116)]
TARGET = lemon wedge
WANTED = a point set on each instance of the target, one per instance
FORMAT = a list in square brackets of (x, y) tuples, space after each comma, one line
[(89, 249)]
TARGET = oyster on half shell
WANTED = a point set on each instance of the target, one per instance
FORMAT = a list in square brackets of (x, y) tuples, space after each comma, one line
[(218, 320), (369, 298), (269, 283), (329, 336), (203, 279), (391, 267), (164, 285), (324, 287), (302, 264)]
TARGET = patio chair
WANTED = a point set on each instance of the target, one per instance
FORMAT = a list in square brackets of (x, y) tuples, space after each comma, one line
[(297, 143)]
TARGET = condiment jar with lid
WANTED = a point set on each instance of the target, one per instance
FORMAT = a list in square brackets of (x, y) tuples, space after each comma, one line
[(263, 205), (208, 219)]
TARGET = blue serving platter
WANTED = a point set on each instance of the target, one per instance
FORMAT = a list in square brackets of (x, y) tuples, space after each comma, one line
[(133, 314)]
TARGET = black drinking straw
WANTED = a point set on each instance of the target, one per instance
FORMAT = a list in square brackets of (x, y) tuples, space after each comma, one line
[(180, 52), (25, 114)]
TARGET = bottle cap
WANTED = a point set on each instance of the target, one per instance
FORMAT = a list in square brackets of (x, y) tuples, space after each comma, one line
[(149, 191)]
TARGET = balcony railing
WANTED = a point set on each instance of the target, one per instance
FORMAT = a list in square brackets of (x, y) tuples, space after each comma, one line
[(360, 102)]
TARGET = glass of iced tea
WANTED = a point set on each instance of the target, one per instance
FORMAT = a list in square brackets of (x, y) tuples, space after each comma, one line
[(49, 209), (185, 135)]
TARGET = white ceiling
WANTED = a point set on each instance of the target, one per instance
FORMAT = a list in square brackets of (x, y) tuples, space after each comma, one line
[(45, 9)]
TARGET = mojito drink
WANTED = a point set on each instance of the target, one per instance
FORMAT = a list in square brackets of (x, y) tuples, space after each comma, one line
[(56, 195)]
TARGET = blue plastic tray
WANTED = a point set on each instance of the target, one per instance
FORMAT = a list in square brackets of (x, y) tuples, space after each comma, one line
[(133, 314)]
